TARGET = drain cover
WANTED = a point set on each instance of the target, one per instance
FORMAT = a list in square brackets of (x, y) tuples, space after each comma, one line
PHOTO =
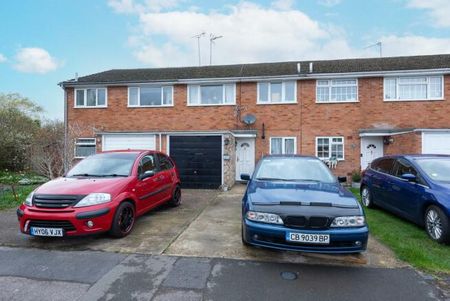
[(288, 275)]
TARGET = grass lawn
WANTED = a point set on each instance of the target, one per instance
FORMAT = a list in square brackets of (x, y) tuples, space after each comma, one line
[(409, 242), (7, 199)]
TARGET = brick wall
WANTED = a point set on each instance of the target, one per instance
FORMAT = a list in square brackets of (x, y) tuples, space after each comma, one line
[(305, 120)]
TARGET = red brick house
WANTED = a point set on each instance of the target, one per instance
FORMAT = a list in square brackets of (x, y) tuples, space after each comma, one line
[(346, 111)]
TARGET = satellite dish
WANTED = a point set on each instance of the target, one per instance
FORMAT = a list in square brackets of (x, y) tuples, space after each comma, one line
[(249, 119)]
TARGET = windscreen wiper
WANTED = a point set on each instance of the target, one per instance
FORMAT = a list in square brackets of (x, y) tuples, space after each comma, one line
[(271, 179), (85, 175)]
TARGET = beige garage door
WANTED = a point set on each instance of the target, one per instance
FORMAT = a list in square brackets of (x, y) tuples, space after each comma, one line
[(128, 141)]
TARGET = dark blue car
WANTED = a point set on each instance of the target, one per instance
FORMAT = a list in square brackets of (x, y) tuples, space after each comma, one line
[(415, 187), (295, 203)]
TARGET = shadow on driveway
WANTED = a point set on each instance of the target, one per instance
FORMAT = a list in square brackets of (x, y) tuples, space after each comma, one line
[(207, 224)]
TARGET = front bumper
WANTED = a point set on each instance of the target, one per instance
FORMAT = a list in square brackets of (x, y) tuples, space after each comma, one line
[(342, 240), (72, 221)]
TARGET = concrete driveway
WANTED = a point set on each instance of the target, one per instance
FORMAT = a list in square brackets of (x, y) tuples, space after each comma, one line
[(207, 224)]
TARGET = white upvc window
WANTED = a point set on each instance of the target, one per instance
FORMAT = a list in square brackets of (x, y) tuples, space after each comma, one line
[(337, 90), (277, 92), (91, 98), (212, 94), (84, 147), (413, 88), (283, 145), (330, 148), (150, 96)]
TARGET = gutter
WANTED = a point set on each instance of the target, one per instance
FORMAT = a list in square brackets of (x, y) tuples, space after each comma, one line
[(301, 76)]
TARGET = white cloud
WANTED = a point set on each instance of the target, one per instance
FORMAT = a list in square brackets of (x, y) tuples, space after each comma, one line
[(414, 45), (283, 4), (256, 33), (142, 6), (250, 33), (2, 58), (34, 60), (438, 10), (329, 3)]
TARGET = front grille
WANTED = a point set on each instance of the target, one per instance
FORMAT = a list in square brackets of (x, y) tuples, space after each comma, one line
[(314, 222), (55, 200), (66, 225)]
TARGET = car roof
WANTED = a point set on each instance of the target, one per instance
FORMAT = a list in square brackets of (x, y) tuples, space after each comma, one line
[(416, 156)]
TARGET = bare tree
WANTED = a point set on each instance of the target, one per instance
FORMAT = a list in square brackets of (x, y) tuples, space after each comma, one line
[(47, 150)]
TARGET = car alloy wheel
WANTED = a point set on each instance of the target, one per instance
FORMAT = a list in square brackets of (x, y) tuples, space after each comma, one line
[(434, 224), (176, 197), (365, 197), (126, 219)]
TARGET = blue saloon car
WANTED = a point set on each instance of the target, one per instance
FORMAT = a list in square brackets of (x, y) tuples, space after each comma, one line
[(415, 187), (295, 203)]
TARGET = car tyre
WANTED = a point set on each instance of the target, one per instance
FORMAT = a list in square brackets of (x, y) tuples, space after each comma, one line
[(123, 221), (244, 241), (175, 201), (366, 197), (437, 225)]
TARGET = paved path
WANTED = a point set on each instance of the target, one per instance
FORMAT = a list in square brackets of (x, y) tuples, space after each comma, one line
[(207, 224), (30, 274)]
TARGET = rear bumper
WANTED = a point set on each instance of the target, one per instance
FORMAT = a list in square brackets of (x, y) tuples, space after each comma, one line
[(74, 222), (274, 236)]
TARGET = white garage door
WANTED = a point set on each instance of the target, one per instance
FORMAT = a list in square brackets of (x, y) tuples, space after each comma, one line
[(436, 143), (128, 141)]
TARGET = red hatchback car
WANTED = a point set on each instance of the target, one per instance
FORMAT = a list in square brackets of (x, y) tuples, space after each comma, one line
[(104, 192)]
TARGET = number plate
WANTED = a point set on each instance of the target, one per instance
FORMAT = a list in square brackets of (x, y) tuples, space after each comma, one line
[(37, 231), (308, 238)]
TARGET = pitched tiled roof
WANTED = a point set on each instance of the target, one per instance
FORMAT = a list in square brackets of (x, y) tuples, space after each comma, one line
[(268, 69)]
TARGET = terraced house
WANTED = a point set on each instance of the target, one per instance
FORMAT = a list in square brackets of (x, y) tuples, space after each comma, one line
[(217, 121)]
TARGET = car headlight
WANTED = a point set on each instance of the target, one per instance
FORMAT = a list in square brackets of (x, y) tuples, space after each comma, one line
[(262, 217), (348, 221), (94, 199), (29, 199)]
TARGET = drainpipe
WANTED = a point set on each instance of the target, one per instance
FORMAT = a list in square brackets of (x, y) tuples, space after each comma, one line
[(160, 142), (66, 130)]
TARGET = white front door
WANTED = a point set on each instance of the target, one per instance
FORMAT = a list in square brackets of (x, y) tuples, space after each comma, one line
[(371, 148), (245, 156)]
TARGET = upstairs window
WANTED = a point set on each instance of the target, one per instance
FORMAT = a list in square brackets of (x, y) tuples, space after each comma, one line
[(277, 92), (151, 96), (413, 88), (215, 94), (330, 148), (84, 147), (337, 90), (91, 98), (283, 145)]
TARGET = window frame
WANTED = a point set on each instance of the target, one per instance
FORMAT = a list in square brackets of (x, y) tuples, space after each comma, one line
[(330, 86), (283, 92), (93, 143), (283, 144), (75, 96), (199, 86), (161, 87), (330, 143), (415, 99)]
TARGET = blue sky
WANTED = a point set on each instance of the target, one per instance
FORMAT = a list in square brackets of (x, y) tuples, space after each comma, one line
[(44, 42)]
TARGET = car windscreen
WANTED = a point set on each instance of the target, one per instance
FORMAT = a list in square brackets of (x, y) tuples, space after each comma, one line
[(437, 169), (104, 165), (294, 169)]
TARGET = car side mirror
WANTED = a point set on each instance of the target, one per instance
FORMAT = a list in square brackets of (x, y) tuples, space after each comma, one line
[(409, 177), (342, 179), (147, 174), (245, 177)]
